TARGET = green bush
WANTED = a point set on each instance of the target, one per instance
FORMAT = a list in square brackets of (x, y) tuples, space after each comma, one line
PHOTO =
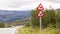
[(2, 25), (49, 18), (27, 24)]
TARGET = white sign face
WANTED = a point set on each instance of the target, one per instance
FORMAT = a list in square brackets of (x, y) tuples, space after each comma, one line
[(40, 15), (40, 12)]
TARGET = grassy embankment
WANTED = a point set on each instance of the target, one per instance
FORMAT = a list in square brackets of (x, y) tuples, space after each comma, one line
[(27, 30)]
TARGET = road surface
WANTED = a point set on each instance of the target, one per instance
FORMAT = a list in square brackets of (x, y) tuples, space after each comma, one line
[(11, 30)]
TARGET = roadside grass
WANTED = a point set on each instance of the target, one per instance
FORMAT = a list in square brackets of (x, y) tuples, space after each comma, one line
[(28, 30), (49, 31)]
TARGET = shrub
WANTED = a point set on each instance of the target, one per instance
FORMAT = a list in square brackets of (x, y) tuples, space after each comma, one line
[(2, 25)]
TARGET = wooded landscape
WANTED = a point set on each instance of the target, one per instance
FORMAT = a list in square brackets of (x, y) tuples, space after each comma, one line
[(50, 23)]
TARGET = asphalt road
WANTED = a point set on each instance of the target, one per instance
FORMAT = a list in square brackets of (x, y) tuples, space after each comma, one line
[(11, 30)]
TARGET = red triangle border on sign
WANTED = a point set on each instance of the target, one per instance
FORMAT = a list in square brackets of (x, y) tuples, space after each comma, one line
[(40, 7)]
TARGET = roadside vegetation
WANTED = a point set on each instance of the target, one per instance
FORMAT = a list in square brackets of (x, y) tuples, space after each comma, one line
[(2, 25), (28, 30), (50, 23)]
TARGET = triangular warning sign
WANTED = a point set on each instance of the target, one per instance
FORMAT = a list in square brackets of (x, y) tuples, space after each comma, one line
[(40, 7), (40, 14)]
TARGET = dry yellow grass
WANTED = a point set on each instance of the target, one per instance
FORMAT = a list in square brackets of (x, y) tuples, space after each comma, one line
[(28, 30)]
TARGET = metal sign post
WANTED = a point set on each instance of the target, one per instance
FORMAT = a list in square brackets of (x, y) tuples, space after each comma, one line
[(40, 26)]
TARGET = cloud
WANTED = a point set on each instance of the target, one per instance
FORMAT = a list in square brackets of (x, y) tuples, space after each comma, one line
[(55, 1), (13, 4), (26, 4)]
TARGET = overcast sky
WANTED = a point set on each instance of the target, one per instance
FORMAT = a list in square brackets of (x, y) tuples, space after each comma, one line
[(27, 4)]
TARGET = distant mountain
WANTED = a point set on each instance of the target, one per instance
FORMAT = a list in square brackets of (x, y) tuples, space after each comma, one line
[(9, 16)]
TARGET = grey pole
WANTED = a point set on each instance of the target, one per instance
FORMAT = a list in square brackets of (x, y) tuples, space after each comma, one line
[(40, 26)]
